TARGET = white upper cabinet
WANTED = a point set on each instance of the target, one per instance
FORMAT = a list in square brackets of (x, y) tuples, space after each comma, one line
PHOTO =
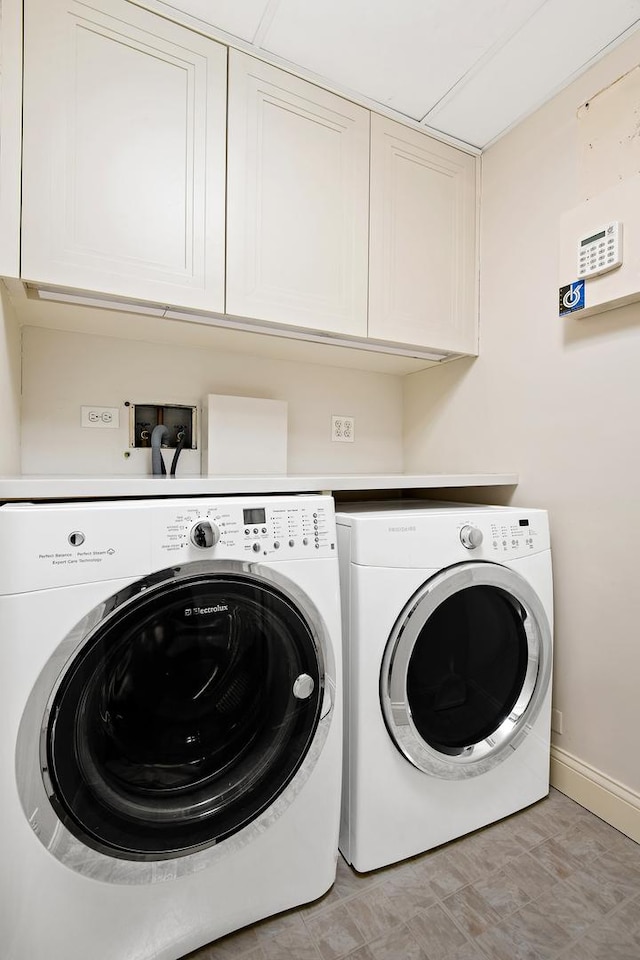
[(423, 264), (280, 203), (297, 201), (123, 154)]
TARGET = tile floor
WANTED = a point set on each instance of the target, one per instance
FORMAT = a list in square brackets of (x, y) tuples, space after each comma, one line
[(552, 882)]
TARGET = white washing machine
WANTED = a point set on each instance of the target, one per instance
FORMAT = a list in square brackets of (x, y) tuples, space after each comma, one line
[(447, 613), (171, 740)]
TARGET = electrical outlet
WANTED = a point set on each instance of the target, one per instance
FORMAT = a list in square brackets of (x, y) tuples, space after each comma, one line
[(343, 429), (100, 417)]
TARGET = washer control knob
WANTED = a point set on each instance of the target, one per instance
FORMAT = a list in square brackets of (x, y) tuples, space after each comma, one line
[(303, 686), (470, 537), (204, 534)]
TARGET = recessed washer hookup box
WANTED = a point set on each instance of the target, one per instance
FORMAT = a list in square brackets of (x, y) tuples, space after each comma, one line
[(243, 436)]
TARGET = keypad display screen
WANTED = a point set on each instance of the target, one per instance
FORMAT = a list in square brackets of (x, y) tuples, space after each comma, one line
[(596, 236)]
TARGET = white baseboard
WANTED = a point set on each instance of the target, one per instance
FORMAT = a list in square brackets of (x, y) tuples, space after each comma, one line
[(608, 799)]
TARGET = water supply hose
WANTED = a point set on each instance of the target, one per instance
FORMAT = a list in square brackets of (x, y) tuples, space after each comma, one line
[(158, 434), (179, 447)]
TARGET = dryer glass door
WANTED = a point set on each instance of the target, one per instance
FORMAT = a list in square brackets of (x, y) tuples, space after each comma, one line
[(466, 669), (182, 716)]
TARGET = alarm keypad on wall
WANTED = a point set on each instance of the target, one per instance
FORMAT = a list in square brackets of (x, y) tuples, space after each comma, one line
[(601, 251)]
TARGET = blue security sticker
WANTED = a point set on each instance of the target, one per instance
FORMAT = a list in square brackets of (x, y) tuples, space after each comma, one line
[(571, 298)]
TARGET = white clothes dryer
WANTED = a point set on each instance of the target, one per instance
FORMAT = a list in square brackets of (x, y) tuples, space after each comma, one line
[(447, 613), (171, 739)]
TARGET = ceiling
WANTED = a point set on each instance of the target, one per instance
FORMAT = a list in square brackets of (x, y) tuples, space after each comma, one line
[(470, 69)]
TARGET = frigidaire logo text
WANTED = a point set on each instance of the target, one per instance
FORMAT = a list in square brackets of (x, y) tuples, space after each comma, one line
[(199, 611), (401, 529)]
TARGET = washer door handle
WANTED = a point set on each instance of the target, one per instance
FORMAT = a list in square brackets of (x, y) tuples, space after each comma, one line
[(327, 700)]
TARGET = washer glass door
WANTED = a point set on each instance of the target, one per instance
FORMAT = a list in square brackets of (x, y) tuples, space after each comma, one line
[(466, 669), (182, 715)]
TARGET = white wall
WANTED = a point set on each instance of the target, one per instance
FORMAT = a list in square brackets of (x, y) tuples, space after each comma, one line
[(65, 370), (558, 401), (9, 386)]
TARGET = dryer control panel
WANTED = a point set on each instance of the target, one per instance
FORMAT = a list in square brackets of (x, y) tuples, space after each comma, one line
[(512, 536), (432, 534), (500, 537)]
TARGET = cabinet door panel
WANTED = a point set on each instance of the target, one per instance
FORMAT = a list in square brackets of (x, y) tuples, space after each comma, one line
[(124, 153), (10, 135), (423, 240), (297, 201)]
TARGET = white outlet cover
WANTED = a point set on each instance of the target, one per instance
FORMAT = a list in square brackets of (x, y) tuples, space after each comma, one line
[(102, 417), (342, 428)]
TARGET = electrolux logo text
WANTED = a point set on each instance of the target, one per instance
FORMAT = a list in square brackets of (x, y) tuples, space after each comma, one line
[(201, 611)]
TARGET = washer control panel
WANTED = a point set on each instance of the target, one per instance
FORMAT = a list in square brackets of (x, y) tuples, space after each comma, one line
[(274, 527), (53, 544)]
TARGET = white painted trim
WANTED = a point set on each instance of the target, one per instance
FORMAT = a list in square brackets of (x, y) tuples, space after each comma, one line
[(599, 793)]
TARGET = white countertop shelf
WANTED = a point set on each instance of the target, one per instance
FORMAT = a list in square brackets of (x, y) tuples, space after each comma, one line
[(72, 488)]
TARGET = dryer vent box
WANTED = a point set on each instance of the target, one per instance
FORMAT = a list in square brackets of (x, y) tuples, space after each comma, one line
[(243, 436)]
